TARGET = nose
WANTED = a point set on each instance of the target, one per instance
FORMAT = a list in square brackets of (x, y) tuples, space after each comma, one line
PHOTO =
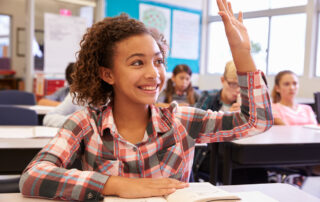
[(152, 71)]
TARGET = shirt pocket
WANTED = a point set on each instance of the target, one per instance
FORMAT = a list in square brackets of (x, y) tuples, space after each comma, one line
[(110, 167)]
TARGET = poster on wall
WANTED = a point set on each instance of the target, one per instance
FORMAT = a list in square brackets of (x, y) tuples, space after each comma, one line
[(156, 17), (62, 38), (185, 35)]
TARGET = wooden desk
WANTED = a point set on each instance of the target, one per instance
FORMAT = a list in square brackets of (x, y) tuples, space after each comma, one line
[(280, 192), (18, 152), (279, 146)]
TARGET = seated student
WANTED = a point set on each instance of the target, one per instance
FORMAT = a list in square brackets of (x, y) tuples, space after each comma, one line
[(285, 109), (57, 97), (57, 116), (287, 112), (179, 87), (225, 99), (129, 147)]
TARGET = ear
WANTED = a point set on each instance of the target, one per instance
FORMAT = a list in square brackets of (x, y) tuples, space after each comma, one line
[(222, 79), (106, 74), (173, 78), (277, 88)]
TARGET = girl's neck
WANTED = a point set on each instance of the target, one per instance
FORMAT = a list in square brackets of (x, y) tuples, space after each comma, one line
[(288, 103), (179, 92), (131, 120)]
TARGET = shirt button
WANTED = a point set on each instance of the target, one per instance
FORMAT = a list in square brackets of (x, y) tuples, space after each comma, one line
[(90, 195)]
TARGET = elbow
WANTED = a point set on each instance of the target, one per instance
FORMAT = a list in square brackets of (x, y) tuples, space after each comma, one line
[(23, 187)]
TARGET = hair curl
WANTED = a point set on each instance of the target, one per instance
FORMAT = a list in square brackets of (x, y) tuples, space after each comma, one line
[(170, 85), (276, 97), (97, 50)]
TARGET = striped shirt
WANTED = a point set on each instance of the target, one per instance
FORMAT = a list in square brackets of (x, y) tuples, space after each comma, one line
[(166, 151)]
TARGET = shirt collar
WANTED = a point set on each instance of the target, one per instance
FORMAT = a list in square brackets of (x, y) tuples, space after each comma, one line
[(161, 119)]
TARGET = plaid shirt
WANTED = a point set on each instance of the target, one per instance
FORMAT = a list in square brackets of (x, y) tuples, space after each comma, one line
[(166, 151)]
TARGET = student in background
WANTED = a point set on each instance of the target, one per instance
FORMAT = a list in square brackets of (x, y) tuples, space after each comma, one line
[(57, 97), (179, 87), (285, 109), (128, 146), (57, 116), (225, 99)]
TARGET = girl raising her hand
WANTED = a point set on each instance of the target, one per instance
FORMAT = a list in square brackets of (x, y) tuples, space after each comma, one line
[(128, 146)]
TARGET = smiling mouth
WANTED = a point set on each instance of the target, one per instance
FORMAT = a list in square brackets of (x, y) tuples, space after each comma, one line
[(149, 88)]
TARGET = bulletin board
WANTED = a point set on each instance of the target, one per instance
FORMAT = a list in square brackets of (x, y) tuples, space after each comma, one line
[(180, 26)]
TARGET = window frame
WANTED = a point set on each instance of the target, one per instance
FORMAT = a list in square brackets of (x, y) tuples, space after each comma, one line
[(311, 9)]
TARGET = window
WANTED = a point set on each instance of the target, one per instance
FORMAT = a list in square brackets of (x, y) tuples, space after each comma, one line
[(5, 36), (287, 41), (276, 42)]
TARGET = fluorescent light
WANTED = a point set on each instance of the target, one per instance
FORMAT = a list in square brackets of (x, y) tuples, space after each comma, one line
[(80, 2)]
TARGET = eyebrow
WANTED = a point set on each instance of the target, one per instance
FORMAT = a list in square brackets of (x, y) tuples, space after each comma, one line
[(142, 55)]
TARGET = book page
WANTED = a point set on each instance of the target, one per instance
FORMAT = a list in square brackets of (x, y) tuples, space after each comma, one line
[(201, 192), (118, 199), (316, 127), (254, 196)]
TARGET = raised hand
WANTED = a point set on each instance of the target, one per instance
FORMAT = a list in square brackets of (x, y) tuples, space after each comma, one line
[(238, 37)]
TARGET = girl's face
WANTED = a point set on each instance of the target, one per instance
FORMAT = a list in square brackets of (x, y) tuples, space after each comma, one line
[(288, 86), (181, 80), (138, 73)]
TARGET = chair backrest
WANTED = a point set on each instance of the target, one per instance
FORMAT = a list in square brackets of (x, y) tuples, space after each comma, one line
[(16, 97), (11, 115), (317, 105)]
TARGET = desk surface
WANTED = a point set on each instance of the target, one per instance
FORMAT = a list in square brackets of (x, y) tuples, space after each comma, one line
[(35, 134), (279, 146), (280, 192), (283, 135), (40, 109)]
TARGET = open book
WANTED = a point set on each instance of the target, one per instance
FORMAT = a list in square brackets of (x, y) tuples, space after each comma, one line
[(196, 192)]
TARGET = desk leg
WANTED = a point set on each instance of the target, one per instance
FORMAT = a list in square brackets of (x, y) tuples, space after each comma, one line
[(214, 148), (227, 164)]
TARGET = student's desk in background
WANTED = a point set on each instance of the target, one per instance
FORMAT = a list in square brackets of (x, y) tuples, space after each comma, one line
[(279, 192), (17, 152), (279, 146)]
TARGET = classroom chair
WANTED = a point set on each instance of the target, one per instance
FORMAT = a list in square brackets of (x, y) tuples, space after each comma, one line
[(16, 97), (317, 105), (12, 115)]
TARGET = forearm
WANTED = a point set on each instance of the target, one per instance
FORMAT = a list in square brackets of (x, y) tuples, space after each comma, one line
[(243, 61), (44, 179)]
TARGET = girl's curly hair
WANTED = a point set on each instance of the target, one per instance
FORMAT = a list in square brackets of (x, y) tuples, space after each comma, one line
[(97, 50)]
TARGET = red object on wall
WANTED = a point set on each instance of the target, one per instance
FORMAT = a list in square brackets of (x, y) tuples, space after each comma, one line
[(52, 86)]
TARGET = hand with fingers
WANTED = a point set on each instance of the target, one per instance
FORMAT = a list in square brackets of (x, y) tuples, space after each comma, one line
[(141, 187), (238, 37)]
